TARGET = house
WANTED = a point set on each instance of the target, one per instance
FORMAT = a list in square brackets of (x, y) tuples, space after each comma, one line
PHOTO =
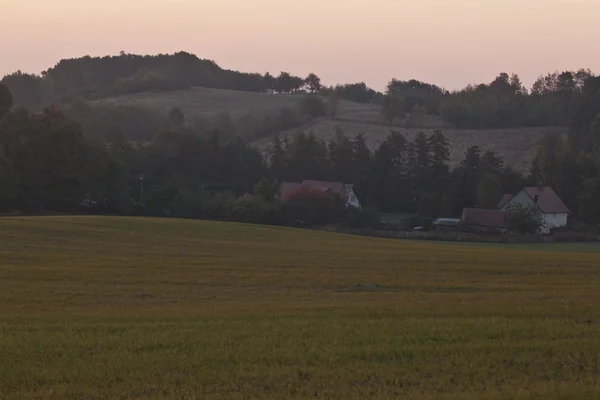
[(483, 221), (344, 191), (554, 212)]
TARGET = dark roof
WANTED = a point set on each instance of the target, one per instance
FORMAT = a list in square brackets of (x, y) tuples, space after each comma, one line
[(483, 217), (505, 200), (548, 200)]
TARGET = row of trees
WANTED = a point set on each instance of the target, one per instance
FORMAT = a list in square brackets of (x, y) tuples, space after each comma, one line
[(504, 102), (96, 77), (47, 164), (553, 99), (400, 176)]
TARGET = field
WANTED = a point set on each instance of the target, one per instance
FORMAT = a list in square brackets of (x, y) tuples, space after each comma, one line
[(208, 104), (517, 146), (106, 308)]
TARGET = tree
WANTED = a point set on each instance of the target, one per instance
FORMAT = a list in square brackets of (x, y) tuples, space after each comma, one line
[(392, 108), (524, 219), (176, 118), (491, 162), (269, 83), (472, 159), (284, 83), (313, 106), (332, 104), (266, 189), (456, 113), (278, 160), (341, 157), (313, 82), (439, 157), (420, 167), (361, 159), (251, 208), (27, 90), (6, 100), (466, 178), (388, 180), (310, 207), (307, 158), (489, 191), (416, 117)]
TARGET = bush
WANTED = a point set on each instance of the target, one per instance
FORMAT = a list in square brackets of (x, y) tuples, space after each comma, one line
[(251, 208), (522, 219), (360, 218), (220, 206), (309, 207), (313, 106), (188, 204)]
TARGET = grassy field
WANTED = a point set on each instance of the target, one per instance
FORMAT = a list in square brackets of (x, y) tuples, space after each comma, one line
[(107, 308), (207, 103)]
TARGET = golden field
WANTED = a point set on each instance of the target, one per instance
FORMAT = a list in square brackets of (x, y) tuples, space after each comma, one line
[(133, 308)]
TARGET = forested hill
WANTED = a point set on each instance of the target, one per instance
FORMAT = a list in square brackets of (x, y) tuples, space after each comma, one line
[(99, 77), (94, 77), (502, 103)]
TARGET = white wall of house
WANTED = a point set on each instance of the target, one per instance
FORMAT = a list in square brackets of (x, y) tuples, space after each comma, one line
[(551, 220), (352, 199), (555, 221)]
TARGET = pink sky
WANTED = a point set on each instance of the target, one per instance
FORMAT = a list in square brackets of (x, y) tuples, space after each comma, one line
[(447, 42)]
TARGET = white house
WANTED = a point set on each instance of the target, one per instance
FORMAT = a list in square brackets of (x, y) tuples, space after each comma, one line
[(554, 211), (345, 191)]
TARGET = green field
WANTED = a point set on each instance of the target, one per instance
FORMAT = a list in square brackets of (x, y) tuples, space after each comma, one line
[(127, 308)]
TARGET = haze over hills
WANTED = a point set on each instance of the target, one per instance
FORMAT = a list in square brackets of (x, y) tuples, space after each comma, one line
[(135, 93)]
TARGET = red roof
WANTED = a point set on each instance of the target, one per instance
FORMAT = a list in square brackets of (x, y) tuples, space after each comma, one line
[(287, 189), (483, 217), (335, 188), (332, 187), (505, 200), (548, 201)]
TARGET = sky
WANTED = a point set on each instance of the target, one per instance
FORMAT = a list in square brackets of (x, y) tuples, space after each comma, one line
[(447, 42)]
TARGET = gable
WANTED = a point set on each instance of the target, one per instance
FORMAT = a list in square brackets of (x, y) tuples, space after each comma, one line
[(521, 198), (548, 201)]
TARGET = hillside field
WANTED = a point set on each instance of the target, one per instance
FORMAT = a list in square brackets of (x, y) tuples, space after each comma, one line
[(133, 308), (516, 145), (208, 104)]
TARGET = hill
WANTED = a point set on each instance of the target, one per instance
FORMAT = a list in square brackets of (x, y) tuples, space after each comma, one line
[(97, 307), (208, 104), (517, 146)]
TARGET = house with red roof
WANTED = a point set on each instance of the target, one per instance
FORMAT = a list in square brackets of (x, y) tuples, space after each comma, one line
[(345, 191), (482, 220), (553, 209)]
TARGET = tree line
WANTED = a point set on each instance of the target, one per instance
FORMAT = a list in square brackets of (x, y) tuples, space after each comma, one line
[(88, 78), (48, 165), (503, 103)]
